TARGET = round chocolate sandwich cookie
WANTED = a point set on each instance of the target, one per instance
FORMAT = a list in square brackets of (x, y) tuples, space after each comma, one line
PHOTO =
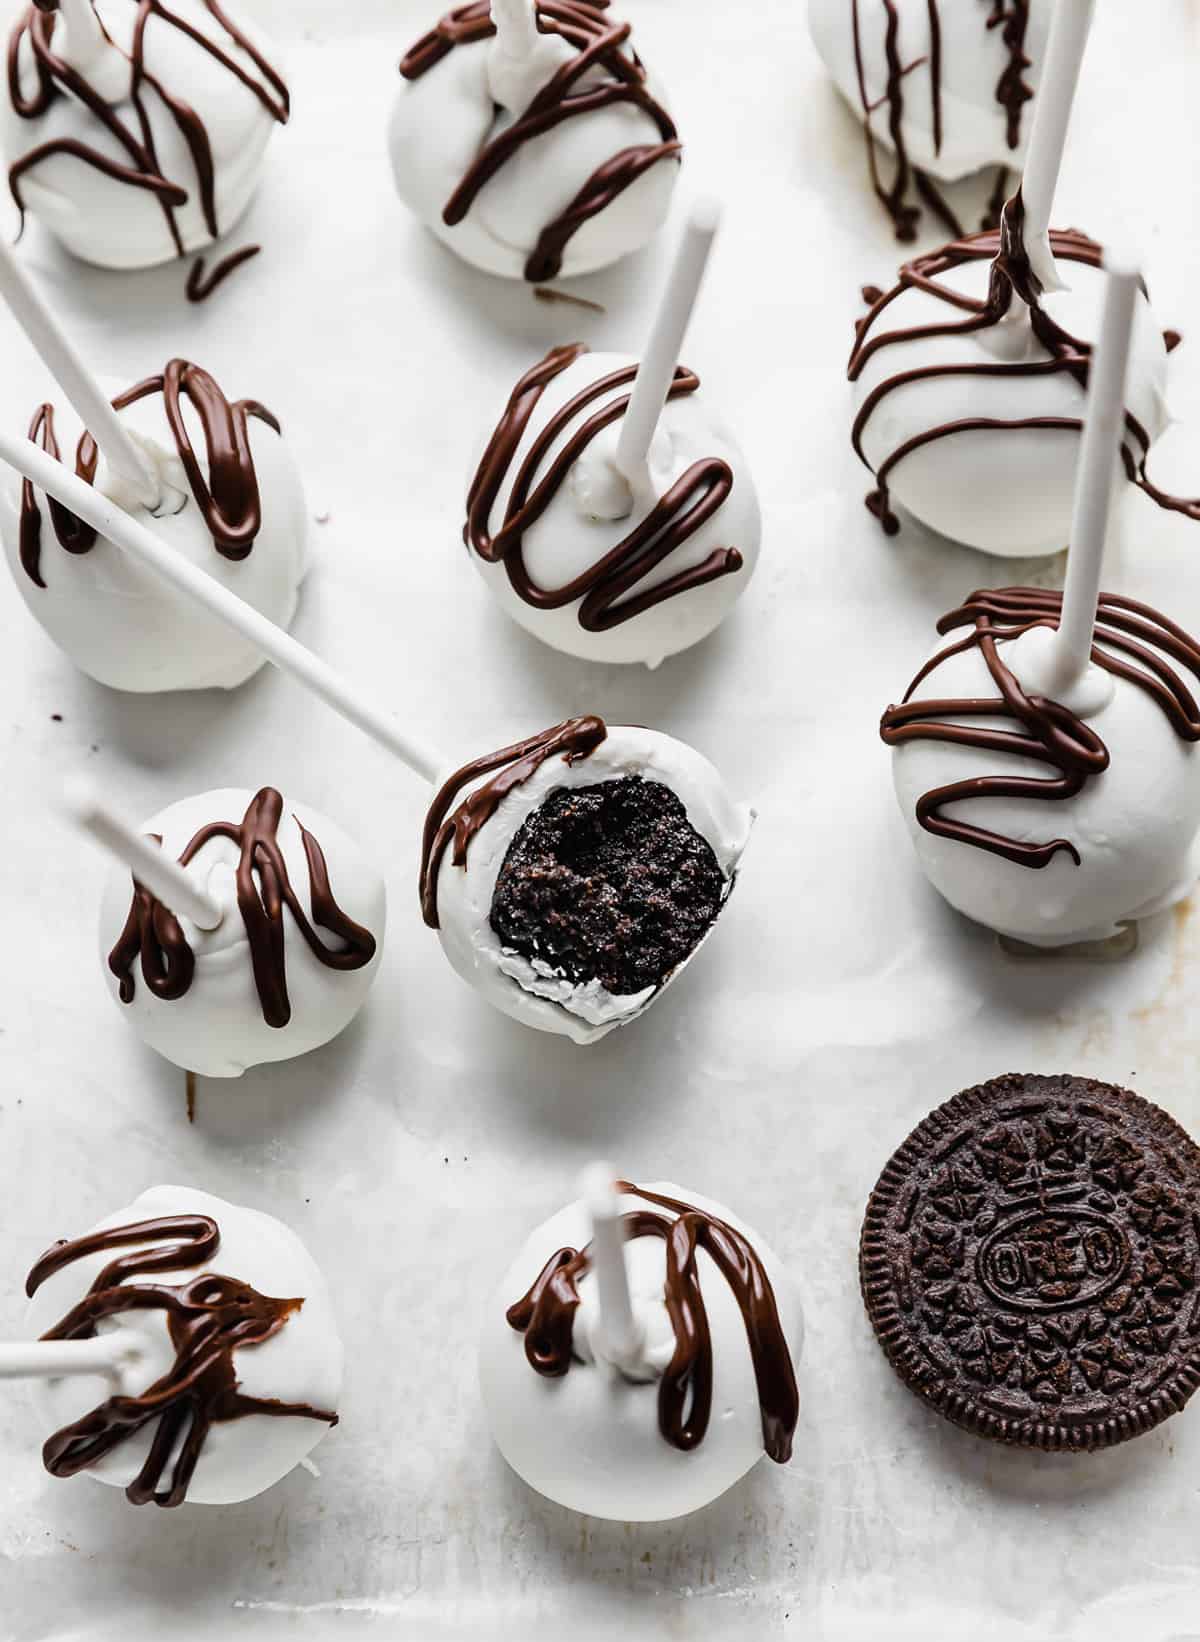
[(1029, 1262)]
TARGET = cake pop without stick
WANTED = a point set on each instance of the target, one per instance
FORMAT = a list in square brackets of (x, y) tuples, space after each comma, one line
[(216, 477), (529, 138), (249, 932), (185, 1349), (1046, 762), (944, 88), (135, 131), (637, 832), (638, 1358), (612, 514), (969, 374)]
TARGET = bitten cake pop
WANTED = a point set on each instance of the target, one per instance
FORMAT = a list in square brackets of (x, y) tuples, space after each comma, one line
[(639, 1356), (531, 140), (943, 87), (213, 473), (250, 930), (572, 876), (612, 514), (135, 130), (969, 374), (188, 1351), (1045, 760)]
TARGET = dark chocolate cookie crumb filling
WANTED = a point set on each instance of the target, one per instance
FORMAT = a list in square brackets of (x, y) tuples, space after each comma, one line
[(609, 882)]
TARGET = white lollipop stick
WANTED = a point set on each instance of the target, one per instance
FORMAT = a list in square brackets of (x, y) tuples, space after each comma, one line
[(1069, 28), (283, 651), (657, 369), (621, 1336), (76, 381), (516, 26), (170, 883), (1099, 458), (54, 1359)]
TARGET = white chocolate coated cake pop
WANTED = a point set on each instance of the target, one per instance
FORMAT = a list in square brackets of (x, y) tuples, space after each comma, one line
[(944, 88), (135, 131), (533, 152), (1052, 816), (235, 1362), (584, 560), (292, 958), (969, 385), (714, 1384), (231, 503), (572, 876)]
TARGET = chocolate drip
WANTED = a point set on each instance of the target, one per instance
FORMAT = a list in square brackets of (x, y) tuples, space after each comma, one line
[(154, 936), (508, 769), (1012, 278), (1046, 732), (228, 498), (208, 1320), (1011, 18), (692, 500), (546, 1317), (569, 92), (56, 78), (202, 282)]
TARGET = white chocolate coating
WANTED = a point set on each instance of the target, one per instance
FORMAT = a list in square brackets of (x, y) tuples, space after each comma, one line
[(442, 120), (973, 57), (590, 1439), (217, 1028), (1134, 825), (594, 509), (302, 1363), (464, 894), (113, 617), (113, 224), (1007, 491)]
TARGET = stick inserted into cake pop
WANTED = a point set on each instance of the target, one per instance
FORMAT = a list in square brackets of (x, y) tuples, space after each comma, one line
[(81, 43), (1051, 116), (1097, 474), (621, 1338), (656, 372), (57, 1359), (68, 369), (516, 27), (158, 872)]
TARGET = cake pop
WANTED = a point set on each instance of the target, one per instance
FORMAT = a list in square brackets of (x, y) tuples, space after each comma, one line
[(969, 374), (531, 140), (193, 1350), (259, 945), (579, 906), (572, 876), (612, 514), (944, 88), (135, 131), (664, 1421)]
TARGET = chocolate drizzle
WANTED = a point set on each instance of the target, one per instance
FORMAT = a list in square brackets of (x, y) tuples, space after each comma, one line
[(571, 91), (56, 78), (208, 1319), (546, 1317), (603, 588), (508, 769), (1132, 641), (228, 497), (203, 281), (154, 937), (1011, 279), (1011, 19)]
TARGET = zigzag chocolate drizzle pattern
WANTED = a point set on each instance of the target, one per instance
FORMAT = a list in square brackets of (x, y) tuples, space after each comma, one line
[(208, 1320), (1132, 641), (599, 46)]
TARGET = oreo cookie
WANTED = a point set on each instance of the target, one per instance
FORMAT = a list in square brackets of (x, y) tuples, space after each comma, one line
[(1030, 1263)]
